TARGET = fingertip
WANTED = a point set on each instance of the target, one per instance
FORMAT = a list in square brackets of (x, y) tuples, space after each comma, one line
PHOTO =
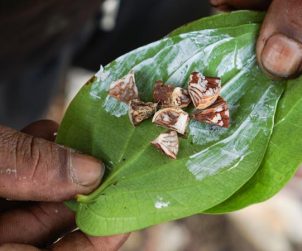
[(280, 56), (279, 46), (86, 171)]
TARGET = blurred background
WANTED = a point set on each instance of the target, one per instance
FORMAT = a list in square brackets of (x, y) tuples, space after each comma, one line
[(49, 49)]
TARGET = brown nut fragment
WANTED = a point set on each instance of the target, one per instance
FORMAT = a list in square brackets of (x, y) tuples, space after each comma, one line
[(180, 97), (217, 114), (168, 95), (124, 89), (167, 143), (203, 90), (172, 118), (139, 111), (162, 93)]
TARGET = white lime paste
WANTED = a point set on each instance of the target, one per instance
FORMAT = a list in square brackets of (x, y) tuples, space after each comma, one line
[(186, 50), (191, 53), (160, 203), (115, 107), (233, 148)]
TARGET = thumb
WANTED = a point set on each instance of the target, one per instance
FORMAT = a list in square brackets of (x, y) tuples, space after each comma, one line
[(32, 168), (279, 46)]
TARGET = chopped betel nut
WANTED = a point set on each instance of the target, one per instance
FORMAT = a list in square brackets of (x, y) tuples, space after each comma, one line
[(172, 118), (168, 95), (203, 90), (167, 143), (180, 97), (218, 114), (139, 111), (162, 93), (124, 89)]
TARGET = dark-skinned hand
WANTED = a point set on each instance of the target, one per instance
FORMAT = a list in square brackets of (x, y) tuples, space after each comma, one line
[(279, 46), (36, 175)]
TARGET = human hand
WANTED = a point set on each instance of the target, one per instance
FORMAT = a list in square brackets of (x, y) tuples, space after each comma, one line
[(279, 46), (36, 175)]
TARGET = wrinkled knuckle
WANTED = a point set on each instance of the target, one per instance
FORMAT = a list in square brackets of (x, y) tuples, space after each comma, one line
[(17, 147), (9, 141), (6, 135), (42, 218), (33, 156), (49, 161), (26, 153), (25, 150), (61, 159)]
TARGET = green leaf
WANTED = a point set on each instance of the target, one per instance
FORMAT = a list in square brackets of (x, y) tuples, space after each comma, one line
[(143, 187), (231, 19), (282, 158)]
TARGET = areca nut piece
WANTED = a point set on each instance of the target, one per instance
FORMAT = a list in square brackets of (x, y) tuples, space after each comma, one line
[(167, 143), (124, 89), (217, 114), (139, 110), (172, 118), (203, 90)]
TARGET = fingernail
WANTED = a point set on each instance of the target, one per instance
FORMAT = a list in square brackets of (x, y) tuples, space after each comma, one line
[(86, 170), (281, 56)]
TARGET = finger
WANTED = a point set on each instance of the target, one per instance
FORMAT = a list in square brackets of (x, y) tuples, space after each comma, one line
[(35, 169), (38, 224), (17, 247), (45, 129), (79, 241), (240, 4), (75, 241), (279, 46)]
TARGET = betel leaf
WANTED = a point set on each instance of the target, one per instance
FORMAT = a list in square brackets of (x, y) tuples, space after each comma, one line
[(231, 19), (143, 187), (283, 156), (280, 164)]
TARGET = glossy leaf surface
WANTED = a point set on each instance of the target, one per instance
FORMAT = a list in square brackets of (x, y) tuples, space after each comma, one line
[(142, 187), (282, 158)]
